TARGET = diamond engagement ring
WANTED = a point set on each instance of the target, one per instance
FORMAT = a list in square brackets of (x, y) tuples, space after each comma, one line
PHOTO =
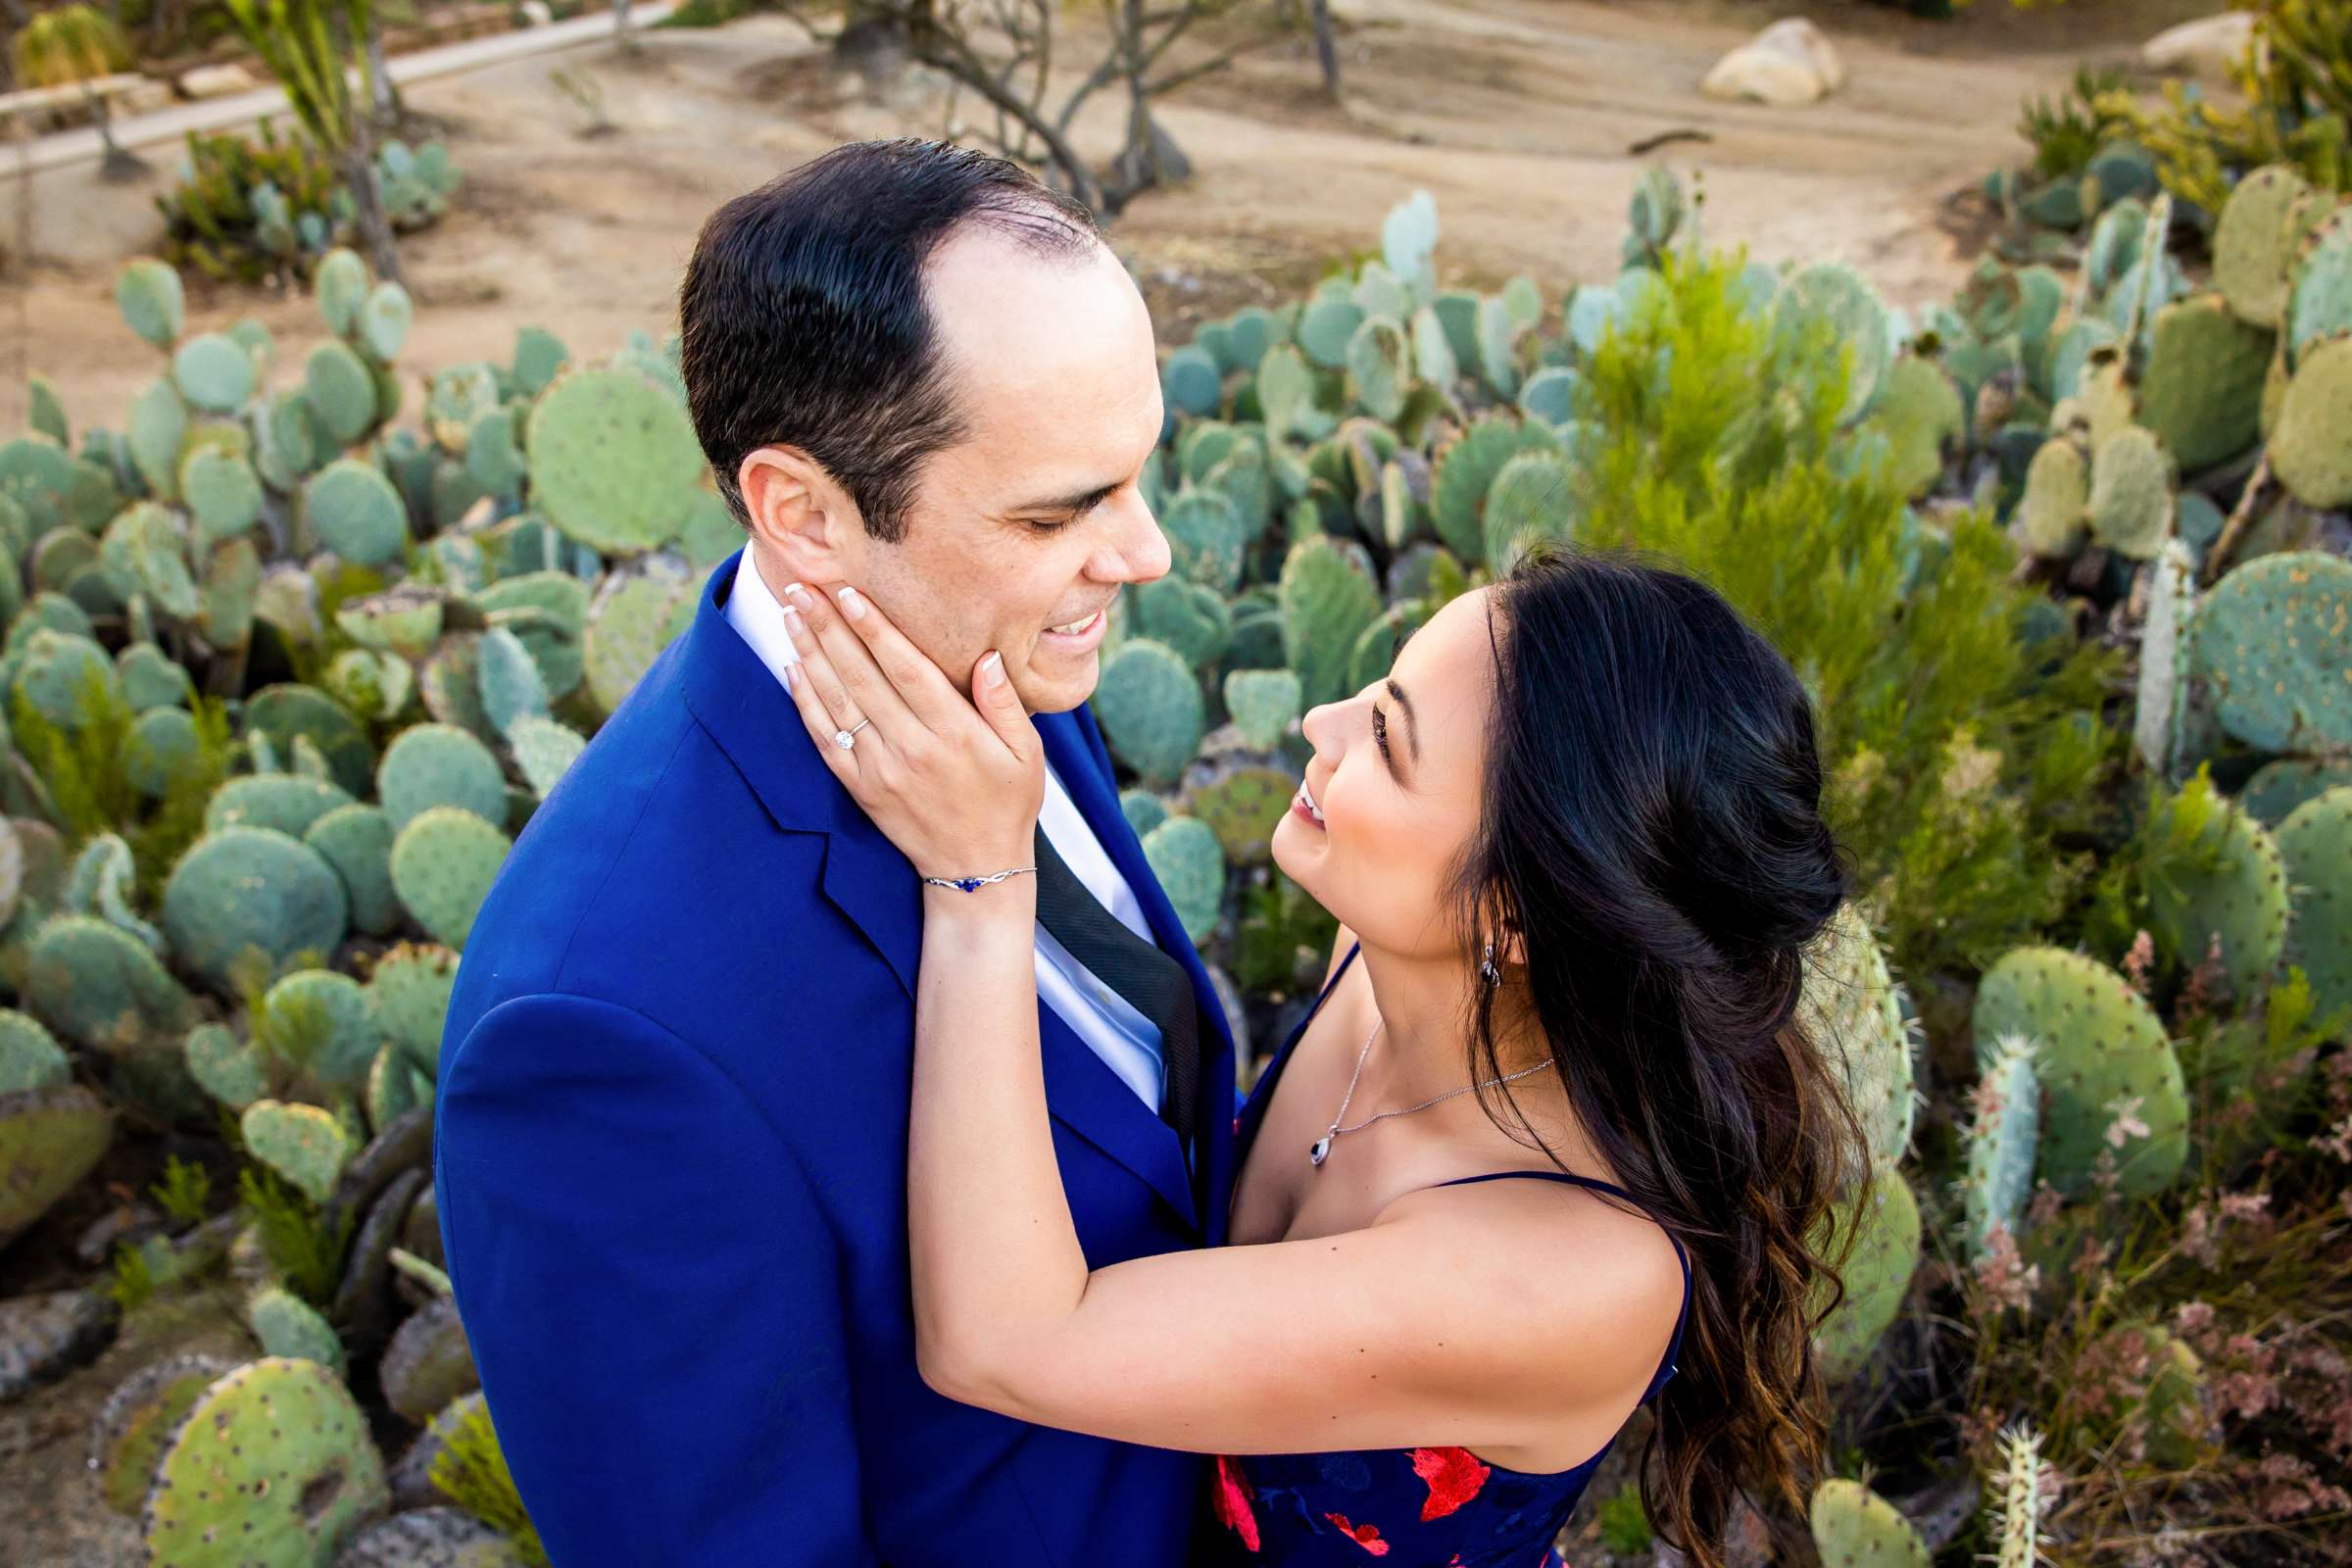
[(846, 738)]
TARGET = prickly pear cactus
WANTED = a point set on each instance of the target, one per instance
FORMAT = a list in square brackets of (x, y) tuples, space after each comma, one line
[(439, 764), (2130, 494), (2163, 690), (1189, 867), (1998, 1175), (2311, 443), (287, 1325), (2201, 393), (252, 886), (1877, 1276), (1851, 1009), (304, 1144), (127, 1436), (50, 1138), (1149, 708), (1461, 476), (443, 864), (410, 989), (1264, 704), (1326, 605), (2272, 640), (2315, 843), (1242, 806), (273, 1464), (614, 459), (1856, 1527), (29, 1057), (2230, 887), (2053, 516), (2102, 1059)]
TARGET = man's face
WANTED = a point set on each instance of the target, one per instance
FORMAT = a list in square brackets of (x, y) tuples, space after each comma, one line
[(1057, 373)]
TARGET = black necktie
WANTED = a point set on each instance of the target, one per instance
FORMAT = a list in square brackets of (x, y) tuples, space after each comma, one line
[(1155, 983)]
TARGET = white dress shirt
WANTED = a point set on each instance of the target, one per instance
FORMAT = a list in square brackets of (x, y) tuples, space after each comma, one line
[(1127, 1041)]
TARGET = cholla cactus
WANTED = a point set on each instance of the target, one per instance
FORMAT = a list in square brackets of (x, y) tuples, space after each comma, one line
[(2017, 1499)]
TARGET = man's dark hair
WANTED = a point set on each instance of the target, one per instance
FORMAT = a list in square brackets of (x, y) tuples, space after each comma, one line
[(803, 318)]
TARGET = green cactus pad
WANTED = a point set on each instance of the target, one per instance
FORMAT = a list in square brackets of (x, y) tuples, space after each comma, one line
[(1325, 327), (632, 619), (1832, 293), (1191, 617), (2253, 259), (556, 654), (152, 678), (304, 1144), (149, 295), (2278, 787), (222, 491), (2272, 640), (91, 981), (614, 459), (410, 987), (271, 1465), (538, 355), (1462, 475), (145, 551), (2311, 444), (1326, 605), (1242, 806), (2201, 393), (162, 745), (1375, 650), (1852, 1010), (60, 673), (2233, 889), (404, 619), (1143, 809), (2099, 1043), (443, 864), (1380, 366), (340, 393), (288, 1326), (391, 1088), (1264, 704), (1185, 858), (1997, 1175), (30, 1056), (451, 685), (1856, 1527), (127, 1436), (223, 1066), (1877, 1277), (1149, 708), (50, 1138), (286, 801), (1919, 409), (371, 685), (357, 841), (339, 284), (439, 764), (159, 426), (214, 371), (2315, 844), (325, 1019), (284, 711), (2130, 494), (1533, 497), (353, 511), (428, 1362), (251, 886), (543, 749), (2319, 305), (384, 321)]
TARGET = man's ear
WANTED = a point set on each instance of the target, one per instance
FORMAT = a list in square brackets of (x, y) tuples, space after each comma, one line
[(807, 523)]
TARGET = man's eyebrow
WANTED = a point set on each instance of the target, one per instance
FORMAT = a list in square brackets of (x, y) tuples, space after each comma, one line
[(1077, 502), (1412, 726)]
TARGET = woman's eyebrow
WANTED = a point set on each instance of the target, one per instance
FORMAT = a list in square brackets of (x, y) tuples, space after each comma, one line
[(1411, 724)]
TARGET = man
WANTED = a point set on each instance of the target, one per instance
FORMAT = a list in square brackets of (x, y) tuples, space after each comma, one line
[(671, 1138)]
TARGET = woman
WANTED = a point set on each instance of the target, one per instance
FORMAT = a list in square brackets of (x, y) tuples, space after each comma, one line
[(1574, 843)]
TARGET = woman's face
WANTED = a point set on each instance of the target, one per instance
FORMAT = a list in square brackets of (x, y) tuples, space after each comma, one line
[(1395, 781)]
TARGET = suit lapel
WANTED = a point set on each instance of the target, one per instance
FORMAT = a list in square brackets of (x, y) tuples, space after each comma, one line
[(752, 719)]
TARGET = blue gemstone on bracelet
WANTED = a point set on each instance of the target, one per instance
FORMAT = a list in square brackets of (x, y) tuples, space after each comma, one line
[(969, 883)]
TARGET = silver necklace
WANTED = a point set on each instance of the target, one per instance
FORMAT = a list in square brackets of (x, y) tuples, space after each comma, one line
[(1322, 1145)]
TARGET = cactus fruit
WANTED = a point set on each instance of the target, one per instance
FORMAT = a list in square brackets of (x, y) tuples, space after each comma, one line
[(50, 1138), (353, 511), (251, 886), (275, 1458), (1998, 1176), (444, 860), (614, 459), (1264, 702), (2272, 640), (150, 298), (410, 987), (1856, 1527), (1877, 1276), (2315, 842), (1190, 866), (2101, 1051), (1852, 1010), (287, 1325), (1149, 708), (2311, 442), (128, 1434), (1326, 605), (439, 764)]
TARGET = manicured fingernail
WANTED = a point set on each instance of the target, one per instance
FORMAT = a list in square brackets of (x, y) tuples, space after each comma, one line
[(851, 604), (793, 622), (797, 594), (992, 670)]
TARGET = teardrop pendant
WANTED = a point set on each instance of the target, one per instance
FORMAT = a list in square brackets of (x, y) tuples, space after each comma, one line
[(1322, 1146)]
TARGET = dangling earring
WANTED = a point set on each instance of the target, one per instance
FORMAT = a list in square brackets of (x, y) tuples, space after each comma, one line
[(1486, 967)]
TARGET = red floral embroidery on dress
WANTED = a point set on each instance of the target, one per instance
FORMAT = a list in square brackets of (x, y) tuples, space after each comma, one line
[(1231, 1501), (1364, 1536), (1454, 1476)]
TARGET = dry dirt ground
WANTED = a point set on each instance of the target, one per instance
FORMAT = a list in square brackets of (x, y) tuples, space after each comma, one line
[(1515, 113)]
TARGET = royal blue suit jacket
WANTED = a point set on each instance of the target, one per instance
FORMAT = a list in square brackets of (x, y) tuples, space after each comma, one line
[(671, 1152)]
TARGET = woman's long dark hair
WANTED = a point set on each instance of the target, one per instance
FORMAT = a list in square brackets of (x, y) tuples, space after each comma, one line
[(1651, 831)]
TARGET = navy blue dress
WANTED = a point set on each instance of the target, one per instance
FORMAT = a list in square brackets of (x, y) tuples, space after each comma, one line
[(1410, 1507)]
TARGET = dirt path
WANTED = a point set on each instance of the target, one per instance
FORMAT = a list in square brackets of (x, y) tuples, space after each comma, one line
[(1515, 113)]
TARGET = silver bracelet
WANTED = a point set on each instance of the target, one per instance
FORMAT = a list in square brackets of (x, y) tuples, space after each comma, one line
[(970, 883)]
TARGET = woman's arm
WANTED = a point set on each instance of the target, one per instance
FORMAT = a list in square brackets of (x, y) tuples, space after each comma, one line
[(1471, 1318)]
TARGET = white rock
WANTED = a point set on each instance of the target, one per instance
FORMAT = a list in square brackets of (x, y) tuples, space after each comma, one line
[(2206, 47), (535, 13), (1788, 64), (222, 81)]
